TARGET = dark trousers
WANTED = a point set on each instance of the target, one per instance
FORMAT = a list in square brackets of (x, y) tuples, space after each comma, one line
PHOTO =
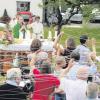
[(60, 96)]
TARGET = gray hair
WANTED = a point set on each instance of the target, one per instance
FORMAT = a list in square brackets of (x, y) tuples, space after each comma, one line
[(83, 73), (60, 59), (75, 55), (92, 90), (13, 73)]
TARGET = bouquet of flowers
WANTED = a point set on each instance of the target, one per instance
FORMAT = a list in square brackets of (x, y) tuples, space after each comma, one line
[(6, 37)]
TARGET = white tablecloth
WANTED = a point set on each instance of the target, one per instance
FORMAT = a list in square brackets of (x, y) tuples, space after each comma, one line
[(24, 46), (15, 47)]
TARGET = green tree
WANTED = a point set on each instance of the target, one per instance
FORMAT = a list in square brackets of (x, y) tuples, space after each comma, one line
[(56, 4), (5, 18)]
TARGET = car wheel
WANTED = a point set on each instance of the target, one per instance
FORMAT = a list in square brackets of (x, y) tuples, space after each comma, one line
[(69, 22), (92, 21), (79, 22)]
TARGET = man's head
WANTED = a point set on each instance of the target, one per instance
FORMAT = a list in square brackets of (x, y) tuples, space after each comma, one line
[(83, 39), (92, 91), (45, 67), (14, 74), (35, 45), (20, 20), (83, 73), (60, 61), (42, 56), (75, 55)]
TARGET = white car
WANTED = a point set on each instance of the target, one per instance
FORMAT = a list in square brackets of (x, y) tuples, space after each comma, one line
[(95, 15), (75, 18)]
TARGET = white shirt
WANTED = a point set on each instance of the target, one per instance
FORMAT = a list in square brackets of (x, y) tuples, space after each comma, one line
[(73, 71), (11, 82), (75, 90), (38, 28)]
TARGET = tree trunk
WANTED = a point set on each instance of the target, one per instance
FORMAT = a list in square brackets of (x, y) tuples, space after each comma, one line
[(59, 24)]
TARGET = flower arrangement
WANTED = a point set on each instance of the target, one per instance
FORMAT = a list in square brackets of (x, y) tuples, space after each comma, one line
[(6, 37)]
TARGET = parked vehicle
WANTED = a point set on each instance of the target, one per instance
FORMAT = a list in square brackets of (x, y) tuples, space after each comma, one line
[(95, 15), (27, 16), (75, 18)]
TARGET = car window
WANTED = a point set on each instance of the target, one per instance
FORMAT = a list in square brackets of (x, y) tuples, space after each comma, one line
[(25, 16), (75, 10), (98, 13)]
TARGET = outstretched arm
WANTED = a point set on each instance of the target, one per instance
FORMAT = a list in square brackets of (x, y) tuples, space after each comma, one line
[(70, 65), (56, 43)]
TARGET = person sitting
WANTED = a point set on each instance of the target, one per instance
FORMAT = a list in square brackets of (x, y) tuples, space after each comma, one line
[(58, 69), (60, 63), (34, 48), (92, 91), (70, 46), (75, 56), (45, 83), (72, 74), (10, 90)]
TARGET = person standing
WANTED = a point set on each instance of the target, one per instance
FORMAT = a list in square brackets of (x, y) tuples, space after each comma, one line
[(10, 90), (17, 27), (38, 28), (45, 82), (85, 53)]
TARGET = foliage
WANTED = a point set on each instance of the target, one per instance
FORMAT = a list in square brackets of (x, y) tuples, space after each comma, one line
[(5, 18), (87, 9), (6, 37)]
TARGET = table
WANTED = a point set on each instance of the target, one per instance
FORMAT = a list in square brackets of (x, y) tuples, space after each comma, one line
[(8, 52), (24, 46)]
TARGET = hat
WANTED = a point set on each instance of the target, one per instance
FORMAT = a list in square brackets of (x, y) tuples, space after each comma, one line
[(42, 56), (13, 73), (84, 37), (47, 46)]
